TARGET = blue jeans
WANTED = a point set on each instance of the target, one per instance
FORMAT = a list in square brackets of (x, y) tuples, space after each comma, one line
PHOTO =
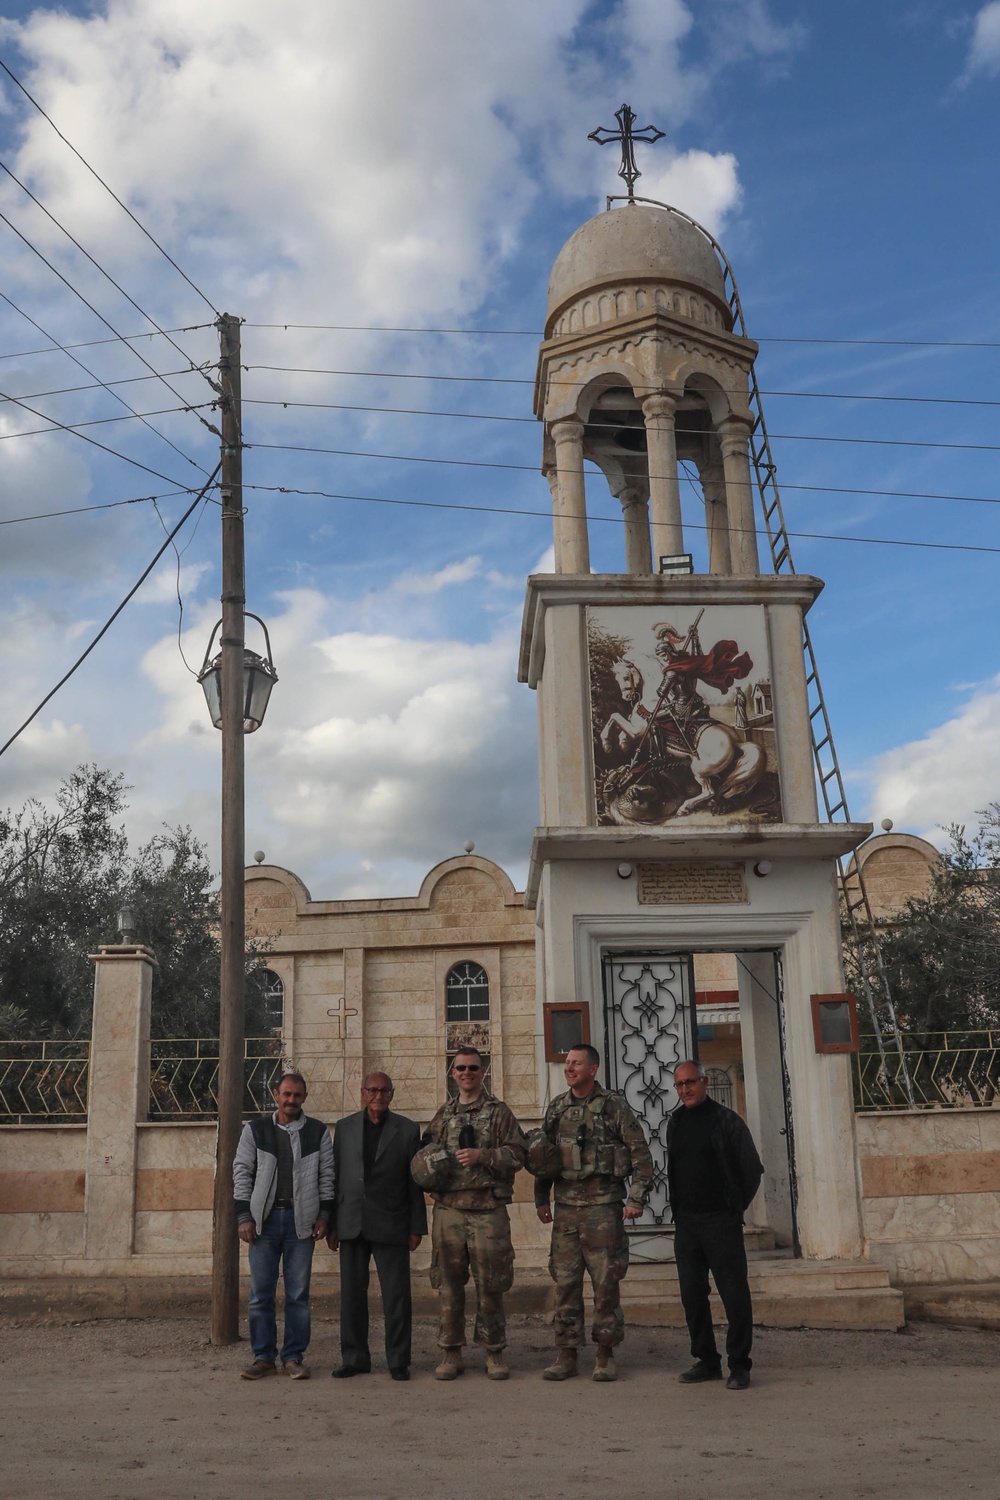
[(278, 1244)]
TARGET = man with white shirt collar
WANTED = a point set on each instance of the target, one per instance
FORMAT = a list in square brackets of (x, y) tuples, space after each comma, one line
[(283, 1192)]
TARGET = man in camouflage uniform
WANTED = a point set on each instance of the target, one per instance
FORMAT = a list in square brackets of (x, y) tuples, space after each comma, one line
[(474, 1148), (590, 1142)]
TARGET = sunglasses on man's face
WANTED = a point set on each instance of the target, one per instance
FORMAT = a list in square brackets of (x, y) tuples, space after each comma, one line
[(465, 1068)]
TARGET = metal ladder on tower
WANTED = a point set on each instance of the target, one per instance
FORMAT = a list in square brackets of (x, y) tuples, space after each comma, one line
[(855, 904), (854, 895)]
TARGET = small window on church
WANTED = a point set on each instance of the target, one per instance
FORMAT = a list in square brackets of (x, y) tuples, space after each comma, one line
[(467, 1014), (274, 1000)]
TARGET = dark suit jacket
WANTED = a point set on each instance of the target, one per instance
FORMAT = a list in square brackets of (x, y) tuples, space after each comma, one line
[(389, 1207)]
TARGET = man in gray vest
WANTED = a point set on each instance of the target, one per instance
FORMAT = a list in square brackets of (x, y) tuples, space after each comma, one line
[(380, 1212), (283, 1193)]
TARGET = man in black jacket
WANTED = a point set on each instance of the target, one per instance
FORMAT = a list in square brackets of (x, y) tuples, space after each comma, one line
[(379, 1212), (713, 1173)]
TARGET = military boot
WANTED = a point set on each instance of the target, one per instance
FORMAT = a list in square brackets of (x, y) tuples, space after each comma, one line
[(496, 1369), (451, 1365), (604, 1369), (564, 1367)]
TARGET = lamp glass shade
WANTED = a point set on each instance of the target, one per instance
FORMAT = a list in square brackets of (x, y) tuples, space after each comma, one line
[(259, 678)]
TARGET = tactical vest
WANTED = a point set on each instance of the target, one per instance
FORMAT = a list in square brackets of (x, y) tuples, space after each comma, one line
[(587, 1146), (470, 1179)]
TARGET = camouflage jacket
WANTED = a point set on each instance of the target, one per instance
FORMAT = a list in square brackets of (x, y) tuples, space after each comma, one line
[(601, 1144), (499, 1138)]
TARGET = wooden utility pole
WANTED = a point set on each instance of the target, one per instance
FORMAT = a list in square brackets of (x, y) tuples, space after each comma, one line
[(225, 1244)]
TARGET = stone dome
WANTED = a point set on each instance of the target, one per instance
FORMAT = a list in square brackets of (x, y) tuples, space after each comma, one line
[(635, 243)]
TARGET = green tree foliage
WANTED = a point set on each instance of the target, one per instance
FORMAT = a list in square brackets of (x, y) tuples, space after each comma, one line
[(942, 952), (65, 872)]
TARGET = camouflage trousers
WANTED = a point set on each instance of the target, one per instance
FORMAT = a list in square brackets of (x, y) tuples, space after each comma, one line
[(590, 1237), (464, 1239)]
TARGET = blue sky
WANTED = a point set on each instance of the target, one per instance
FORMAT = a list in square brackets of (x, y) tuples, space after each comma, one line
[(419, 167)]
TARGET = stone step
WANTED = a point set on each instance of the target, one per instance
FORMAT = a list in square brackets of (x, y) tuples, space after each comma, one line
[(786, 1293), (769, 1276), (961, 1305)]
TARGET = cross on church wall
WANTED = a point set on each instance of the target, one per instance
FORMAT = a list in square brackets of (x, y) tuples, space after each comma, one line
[(340, 1013), (627, 137)]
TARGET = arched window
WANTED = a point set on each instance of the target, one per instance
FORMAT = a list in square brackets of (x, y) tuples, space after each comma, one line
[(467, 1013), (467, 993), (274, 1000)]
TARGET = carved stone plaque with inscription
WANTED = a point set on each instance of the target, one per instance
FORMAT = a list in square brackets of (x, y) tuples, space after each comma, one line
[(664, 885)]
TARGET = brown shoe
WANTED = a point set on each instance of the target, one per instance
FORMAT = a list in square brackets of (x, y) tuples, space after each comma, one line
[(451, 1365), (258, 1370), (604, 1369), (496, 1368), (296, 1369), (564, 1367)]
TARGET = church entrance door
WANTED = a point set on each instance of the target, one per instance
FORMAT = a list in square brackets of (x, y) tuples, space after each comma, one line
[(649, 1028)]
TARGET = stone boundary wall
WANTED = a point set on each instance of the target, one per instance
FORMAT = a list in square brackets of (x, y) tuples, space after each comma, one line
[(930, 1181)]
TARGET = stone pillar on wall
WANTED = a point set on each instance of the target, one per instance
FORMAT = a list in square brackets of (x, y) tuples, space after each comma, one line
[(118, 1096), (353, 1025), (765, 1095)]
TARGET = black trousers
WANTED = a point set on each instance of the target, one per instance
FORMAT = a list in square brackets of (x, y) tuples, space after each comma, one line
[(714, 1242), (392, 1262)]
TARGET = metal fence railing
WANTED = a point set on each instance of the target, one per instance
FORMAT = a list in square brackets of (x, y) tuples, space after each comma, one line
[(183, 1075), (932, 1070), (44, 1082)]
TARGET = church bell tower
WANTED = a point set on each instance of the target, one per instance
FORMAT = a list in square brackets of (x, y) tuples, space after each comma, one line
[(679, 812)]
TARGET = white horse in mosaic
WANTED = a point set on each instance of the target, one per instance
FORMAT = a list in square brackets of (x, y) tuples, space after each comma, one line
[(722, 763)]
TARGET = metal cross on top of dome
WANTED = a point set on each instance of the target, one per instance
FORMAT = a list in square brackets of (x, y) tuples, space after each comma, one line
[(628, 170)]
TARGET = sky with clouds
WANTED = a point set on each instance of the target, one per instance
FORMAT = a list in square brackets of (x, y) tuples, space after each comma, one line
[(340, 176)]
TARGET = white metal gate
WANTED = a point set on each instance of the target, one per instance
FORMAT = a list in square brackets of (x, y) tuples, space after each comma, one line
[(649, 1029)]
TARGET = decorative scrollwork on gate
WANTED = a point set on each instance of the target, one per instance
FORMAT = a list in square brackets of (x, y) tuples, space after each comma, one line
[(648, 1032)]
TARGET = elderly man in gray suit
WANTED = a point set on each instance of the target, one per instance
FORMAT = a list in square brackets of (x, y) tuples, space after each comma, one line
[(380, 1212)]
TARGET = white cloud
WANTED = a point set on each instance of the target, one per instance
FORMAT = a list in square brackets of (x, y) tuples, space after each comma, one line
[(433, 583), (984, 44), (357, 165), (705, 186), (377, 746), (947, 775)]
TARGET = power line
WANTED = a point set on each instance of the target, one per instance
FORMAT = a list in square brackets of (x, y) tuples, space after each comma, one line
[(507, 510), (94, 173), (74, 427), (482, 463), (64, 427), (538, 333), (106, 385), (638, 393), (77, 293), (112, 618), (96, 385), (80, 510), (121, 338), (792, 437)]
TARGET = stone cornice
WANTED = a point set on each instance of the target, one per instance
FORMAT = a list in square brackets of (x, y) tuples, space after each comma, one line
[(548, 590), (690, 844)]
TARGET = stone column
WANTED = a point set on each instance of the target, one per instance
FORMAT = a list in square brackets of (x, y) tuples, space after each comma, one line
[(739, 497), (569, 498), (664, 481), (635, 512), (761, 1037), (117, 1097), (713, 484)]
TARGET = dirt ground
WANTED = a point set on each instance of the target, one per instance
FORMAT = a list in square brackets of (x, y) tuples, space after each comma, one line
[(141, 1409)]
